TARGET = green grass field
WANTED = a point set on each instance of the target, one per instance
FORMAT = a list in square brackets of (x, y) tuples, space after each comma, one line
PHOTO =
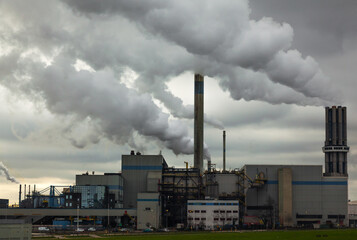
[(340, 234)]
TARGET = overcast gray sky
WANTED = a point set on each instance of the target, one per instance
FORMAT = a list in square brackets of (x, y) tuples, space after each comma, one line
[(83, 82)]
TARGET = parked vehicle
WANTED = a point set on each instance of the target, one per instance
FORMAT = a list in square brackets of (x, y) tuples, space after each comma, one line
[(148, 230), (163, 230), (44, 229)]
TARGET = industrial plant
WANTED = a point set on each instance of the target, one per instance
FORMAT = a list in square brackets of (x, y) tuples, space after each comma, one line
[(149, 193)]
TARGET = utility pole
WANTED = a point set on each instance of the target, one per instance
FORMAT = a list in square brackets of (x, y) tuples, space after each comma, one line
[(77, 217), (108, 215)]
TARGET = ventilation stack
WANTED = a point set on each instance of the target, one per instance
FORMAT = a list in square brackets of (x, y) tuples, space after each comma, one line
[(198, 132), (224, 151), (336, 148)]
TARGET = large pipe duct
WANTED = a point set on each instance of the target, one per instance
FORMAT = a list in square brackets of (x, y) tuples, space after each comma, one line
[(224, 151), (198, 132)]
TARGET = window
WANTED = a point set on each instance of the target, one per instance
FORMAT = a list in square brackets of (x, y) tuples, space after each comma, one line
[(222, 211), (147, 209), (229, 219), (197, 219), (215, 219), (229, 211), (203, 219), (190, 211), (203, 211), (66, 196), (70, 204), (215, 211), (67, 204), (190, 218), (70, 196), (235, 211), (197, 211), (222, 219)]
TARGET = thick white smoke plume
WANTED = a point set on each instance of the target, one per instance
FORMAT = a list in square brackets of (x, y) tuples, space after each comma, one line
[(158, 40), (5, 171)]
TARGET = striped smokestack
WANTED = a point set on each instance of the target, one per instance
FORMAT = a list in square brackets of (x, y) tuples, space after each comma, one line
[(198, 140)]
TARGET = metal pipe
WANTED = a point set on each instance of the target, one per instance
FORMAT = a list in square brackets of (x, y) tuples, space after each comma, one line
[(224, 151), (339, 125), (198, 131), (25, 192), (334, 126)]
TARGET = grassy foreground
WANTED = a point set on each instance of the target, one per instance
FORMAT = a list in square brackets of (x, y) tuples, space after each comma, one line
[(340, 234)]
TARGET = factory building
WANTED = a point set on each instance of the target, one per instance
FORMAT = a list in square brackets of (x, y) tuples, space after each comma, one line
[(148, 210), (107, 187), (210, 214), (157, 195), (141, 173), (4, 203), (296, 195)]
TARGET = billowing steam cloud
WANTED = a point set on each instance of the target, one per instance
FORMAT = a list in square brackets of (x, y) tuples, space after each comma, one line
[(5, 171), (157, 39), (220, 33)]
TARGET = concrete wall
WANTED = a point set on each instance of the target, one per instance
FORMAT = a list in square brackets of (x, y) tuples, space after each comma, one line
[(114, 182), (285, 197), (148, 210), (314, 198), (227, 183), (15, 231), (135, 169)]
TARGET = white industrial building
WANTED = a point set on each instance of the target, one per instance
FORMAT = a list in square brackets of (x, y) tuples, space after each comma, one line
[(208, 214)]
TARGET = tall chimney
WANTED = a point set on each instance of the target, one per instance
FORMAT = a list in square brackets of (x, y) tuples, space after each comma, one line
[(20, 196), (336, 147), (198, 136), (224, 151)]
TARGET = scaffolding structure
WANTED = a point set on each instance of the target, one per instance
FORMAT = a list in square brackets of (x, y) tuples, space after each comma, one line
[(177, 186)]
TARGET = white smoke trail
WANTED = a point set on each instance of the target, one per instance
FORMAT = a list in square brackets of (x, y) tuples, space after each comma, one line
[(5, 171), (220, 33), (157, 39)]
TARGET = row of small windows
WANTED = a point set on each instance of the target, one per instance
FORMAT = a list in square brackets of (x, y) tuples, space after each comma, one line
[(216, 204), (225, 219), (197, 219), (319, 216), (197, 211), (222, 211), (215, 211), (215, 219)]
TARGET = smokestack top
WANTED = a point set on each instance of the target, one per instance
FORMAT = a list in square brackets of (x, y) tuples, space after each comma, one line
[(198, 83)]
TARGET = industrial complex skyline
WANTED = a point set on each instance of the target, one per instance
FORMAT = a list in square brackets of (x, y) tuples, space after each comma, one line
[(81, 83)]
